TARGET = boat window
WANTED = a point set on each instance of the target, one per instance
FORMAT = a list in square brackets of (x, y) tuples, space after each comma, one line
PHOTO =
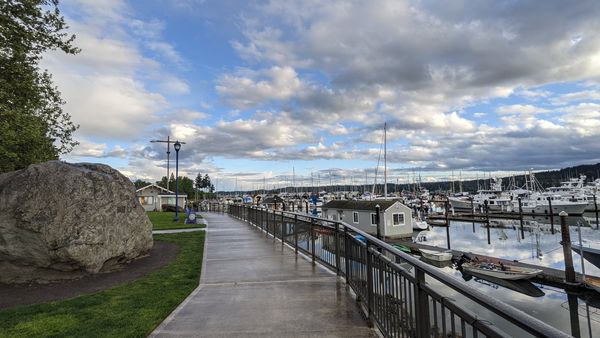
[(398, 219), (355, 217)]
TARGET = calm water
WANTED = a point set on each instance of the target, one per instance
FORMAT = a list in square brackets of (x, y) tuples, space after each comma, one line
[(574, 314)]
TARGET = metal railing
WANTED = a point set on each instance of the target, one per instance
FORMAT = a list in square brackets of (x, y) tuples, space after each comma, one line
[(397, 291)]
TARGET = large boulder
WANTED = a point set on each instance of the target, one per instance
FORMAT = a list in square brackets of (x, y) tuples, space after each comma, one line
[(60, 221)]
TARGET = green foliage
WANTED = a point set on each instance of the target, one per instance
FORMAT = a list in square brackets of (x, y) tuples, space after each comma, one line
[(33, 126), (132, 309), (140, 183), (164, 221)]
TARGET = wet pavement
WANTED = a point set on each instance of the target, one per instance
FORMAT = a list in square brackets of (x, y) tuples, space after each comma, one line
[(254, 287)]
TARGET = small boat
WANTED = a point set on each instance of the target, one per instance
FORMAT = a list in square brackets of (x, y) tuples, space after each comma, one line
[(593, 283), (590, 254), (419, 225), (402, 248), (501, 271), (522, 286), (439, 256)]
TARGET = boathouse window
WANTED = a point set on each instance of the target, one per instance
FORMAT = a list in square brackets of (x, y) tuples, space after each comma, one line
[(373, 219), (398, 219), (355, 217)]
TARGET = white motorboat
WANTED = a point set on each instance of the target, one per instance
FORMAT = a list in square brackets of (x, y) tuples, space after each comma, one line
[(540, 204), (438, 256), (501, 271), (419, 225)]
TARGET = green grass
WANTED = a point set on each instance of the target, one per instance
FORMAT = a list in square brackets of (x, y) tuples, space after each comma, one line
[(164, 221), (130, 310)]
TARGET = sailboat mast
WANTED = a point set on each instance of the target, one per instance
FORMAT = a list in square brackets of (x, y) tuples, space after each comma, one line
[(385, 161)]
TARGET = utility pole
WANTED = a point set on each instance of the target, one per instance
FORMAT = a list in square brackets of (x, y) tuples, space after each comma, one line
[(168, 142)]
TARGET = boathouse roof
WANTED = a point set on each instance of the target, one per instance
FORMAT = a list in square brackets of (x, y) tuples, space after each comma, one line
[(358, 205)]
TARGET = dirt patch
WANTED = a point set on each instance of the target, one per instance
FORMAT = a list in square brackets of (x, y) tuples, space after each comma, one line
[(12, 295)]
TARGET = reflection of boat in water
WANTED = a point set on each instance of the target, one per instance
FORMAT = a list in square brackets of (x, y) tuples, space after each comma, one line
[(522, 286), (439, 256), (505, 272), (592, 255)]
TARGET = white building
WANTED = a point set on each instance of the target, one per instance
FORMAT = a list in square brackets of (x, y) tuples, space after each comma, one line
[(152, 197), (395, 217)]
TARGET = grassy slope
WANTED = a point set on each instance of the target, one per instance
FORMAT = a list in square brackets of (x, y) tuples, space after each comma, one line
[(130, 310), (164, 221)]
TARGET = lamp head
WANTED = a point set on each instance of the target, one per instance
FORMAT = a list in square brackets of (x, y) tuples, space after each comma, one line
[(177, 145)]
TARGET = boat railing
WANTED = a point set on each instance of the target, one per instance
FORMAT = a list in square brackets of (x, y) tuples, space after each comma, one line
[(401, 294)]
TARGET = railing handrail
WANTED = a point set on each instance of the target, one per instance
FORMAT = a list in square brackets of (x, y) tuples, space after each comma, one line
[(506, 311)]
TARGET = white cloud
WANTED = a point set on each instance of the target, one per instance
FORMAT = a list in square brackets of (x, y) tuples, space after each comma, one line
[(525, 109), (257, 88)]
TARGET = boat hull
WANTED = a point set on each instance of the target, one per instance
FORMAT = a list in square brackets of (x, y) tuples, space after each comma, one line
[(501, 274)]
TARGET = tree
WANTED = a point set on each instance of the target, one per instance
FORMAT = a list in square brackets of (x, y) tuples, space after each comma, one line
[(33, 126), (206, 181), (140, 183)]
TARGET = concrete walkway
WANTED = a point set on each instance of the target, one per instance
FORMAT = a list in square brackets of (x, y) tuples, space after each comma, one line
[(251, 287)]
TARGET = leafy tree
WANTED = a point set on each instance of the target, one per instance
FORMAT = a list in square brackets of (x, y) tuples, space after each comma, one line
[(140, 183), (33, 126)]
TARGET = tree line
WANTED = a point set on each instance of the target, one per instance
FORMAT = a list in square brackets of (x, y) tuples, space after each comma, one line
[(199, 188)]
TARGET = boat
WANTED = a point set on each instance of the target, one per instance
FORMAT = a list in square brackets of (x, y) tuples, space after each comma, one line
[(592, 282), (500, 271), (402, 248), (522, 286), (592, 255), (440, 256), (419, 225)]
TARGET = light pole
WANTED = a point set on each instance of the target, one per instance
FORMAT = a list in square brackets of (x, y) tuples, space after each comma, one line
[(177, 146)]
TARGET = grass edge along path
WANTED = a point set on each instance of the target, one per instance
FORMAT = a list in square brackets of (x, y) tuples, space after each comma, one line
[(132, 309), (164, 221)]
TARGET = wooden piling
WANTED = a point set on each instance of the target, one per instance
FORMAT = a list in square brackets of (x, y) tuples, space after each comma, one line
[(487, 220), (551, 215), (566, 244), (596, 211), (521, 218)]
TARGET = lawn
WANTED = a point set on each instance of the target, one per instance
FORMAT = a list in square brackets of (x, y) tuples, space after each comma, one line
[(130, 310), (164, 221)]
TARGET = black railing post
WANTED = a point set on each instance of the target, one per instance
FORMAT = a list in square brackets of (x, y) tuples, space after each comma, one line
[(369, 283), (422, 305), (296, 234), (274, 225), (347, 254), (282, 230), (337, 248), (312, 239)]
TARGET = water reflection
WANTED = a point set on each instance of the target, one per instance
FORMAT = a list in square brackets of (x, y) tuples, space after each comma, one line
[(575, 313)]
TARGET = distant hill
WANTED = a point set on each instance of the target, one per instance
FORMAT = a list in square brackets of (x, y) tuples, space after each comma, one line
[(545, 178)]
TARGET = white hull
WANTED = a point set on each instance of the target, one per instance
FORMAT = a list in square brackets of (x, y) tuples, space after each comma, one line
[(511, 273), (571, 209), (419, 225), (438, 256)]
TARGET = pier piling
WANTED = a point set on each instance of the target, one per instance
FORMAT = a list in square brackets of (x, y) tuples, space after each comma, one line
[(521, 218), (551, 215), (566, 244), (596, 211), (487, 220)]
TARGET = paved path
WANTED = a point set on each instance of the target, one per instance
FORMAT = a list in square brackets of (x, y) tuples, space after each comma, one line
[(251, 287)]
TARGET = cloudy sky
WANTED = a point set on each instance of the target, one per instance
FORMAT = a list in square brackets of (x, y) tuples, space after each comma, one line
[(259, 90)]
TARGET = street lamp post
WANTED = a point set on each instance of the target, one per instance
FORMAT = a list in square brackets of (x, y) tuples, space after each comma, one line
[(177, 146)]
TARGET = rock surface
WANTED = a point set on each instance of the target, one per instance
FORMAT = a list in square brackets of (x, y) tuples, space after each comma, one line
[(63, 221)]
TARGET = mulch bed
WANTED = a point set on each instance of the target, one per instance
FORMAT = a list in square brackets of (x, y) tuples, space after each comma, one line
[(12, 295)]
